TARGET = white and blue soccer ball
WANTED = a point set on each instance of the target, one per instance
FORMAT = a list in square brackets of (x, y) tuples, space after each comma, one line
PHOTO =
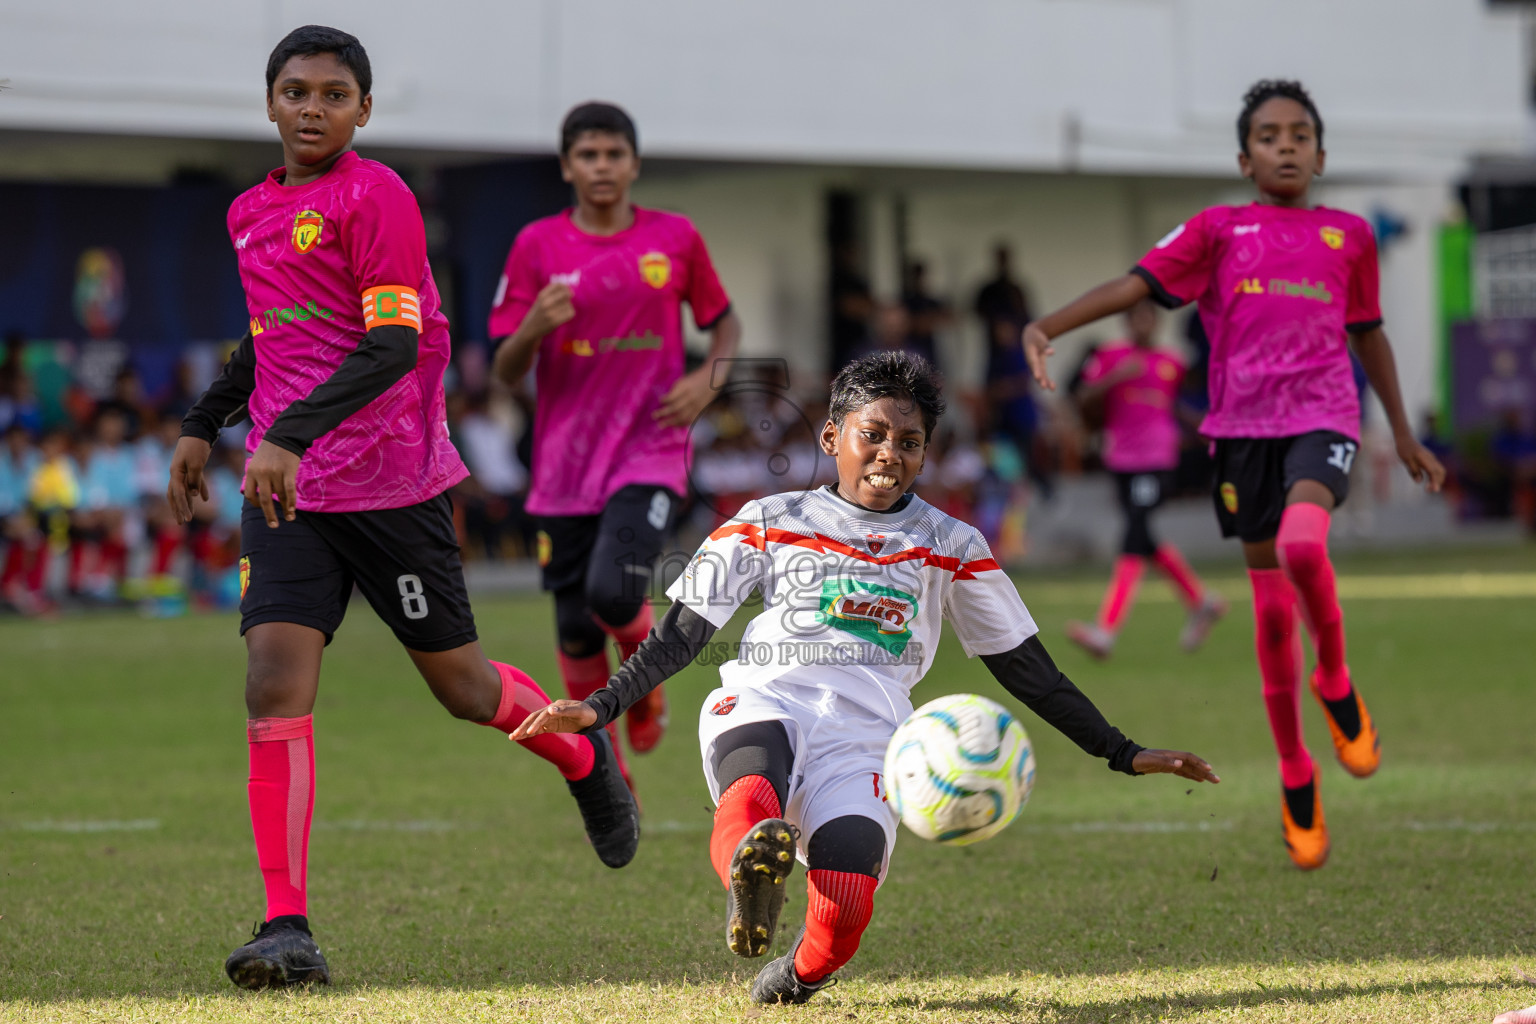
[(959, 769)]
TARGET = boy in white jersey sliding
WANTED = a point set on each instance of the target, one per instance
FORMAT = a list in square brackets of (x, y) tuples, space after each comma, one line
[(341, 374), (1281, 284), (794, 739)]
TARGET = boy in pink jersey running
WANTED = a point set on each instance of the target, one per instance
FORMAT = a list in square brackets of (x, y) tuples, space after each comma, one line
[(1281, 285), (596, 294), (342, 374), (1136, 385)]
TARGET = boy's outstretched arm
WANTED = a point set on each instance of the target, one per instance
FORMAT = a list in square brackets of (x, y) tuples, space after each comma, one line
[(1029, 674), (1375, 354), (673, 642), (1109, 298)]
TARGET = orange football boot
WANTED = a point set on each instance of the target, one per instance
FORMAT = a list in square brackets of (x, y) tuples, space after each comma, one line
[(646, 721), (1360, 756), (1308, 847)]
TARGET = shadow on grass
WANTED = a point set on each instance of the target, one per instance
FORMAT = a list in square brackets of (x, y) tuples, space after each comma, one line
[(1175, 1006)]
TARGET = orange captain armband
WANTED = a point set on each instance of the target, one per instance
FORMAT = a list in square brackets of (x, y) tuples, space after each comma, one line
[(391, 305)]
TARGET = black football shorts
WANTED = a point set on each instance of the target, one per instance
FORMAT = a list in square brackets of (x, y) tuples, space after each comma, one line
[(404, 560), (627, 535), (1254, 474)]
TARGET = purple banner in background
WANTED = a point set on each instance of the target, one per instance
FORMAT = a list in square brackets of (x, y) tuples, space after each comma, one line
[(1493, 365)]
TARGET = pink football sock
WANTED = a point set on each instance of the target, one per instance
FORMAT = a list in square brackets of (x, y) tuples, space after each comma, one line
[(629, 635), (1278, 644), (584, 676), (1303, 549), (1171, 561), (1122, 591), (282, 795), (521, 697)]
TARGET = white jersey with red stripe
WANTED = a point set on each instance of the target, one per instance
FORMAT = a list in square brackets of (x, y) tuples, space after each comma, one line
[(853, 600)]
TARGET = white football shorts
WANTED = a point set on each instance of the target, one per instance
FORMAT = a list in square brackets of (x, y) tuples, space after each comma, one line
[(839, 754)]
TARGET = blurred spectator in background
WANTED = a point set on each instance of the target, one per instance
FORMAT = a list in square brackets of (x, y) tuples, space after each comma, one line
[(18, 527), (18, 402), (1012, 413), (128, 399), (179, 395), (1002, 303), (926, 314), (52, 494), (1513, 447), (107, 518), (889, 330), (852, 304), (492, 496)]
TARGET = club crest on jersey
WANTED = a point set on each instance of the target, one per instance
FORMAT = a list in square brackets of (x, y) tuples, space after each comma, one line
[(1333, 238), (656, 268), (881, 615), (256, 327), (1166, 371), (306, 231), (874, 541), (724, 706), (245, 575), (1229, 498)]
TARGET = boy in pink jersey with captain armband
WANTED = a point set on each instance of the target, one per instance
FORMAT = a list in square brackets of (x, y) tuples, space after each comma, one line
[(596, 294), (1281, 285), (1135, 385), (341, 373)]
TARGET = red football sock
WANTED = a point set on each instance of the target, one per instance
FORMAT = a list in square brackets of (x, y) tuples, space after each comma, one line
[(629, 635), (841, 904), (114, 558), (746, 802), (166, 543), (521, 697), (1303, 549), (37, 572), (1171, 562), (282, 794), (15, 563), (1121, 592), (584, 676), (1279, 648)]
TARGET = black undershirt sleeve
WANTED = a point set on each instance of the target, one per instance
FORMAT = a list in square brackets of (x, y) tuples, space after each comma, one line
[(1160, 295), (224, 403), (384, 355), (1029, 674), (673, 642)]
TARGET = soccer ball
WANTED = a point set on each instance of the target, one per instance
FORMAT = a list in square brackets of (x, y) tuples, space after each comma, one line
[(959, 769)]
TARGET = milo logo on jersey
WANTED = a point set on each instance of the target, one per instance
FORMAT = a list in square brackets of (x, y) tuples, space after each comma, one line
[(881, 615)]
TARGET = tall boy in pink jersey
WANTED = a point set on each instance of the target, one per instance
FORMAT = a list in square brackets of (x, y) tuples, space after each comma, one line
[(342, 374), (596, 294), (1137, 384), (1281, 285)]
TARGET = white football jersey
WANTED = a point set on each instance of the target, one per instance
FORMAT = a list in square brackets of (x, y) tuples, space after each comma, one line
[(853, 600)]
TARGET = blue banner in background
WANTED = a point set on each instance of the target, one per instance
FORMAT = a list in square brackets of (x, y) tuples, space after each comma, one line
[(106, 273)]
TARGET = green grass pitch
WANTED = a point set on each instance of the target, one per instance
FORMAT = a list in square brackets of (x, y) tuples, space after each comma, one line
[(450, 879)]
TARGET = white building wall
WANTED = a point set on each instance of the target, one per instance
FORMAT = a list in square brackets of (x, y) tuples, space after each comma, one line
[(1409, 87)]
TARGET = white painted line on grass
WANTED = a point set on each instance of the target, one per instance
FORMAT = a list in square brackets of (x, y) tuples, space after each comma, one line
[(366, 825), (132, 825), (1435, 586)]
